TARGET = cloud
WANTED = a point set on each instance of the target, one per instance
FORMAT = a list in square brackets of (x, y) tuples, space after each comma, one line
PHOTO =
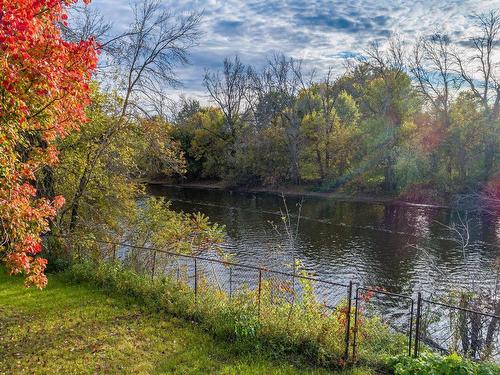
[(326, 21), (321, 32), (228, 27)]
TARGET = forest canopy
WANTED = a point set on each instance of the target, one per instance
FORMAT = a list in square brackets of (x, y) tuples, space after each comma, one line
[(418, 119)]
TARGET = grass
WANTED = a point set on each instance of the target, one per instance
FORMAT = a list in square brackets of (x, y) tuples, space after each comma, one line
[(77, 329)]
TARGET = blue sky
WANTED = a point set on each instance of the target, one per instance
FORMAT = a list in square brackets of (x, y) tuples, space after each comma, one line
[(320, 32)]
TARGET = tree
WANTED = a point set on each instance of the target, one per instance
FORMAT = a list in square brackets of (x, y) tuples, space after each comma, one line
[(433, 70), (155, 44), (158, 154), (43, 94), (228, 92), (108, 198), (281, 82), (391, 100), (87, 23), (209, 142), (481, 73), (113, 204), (466, 135), (432, 67), (330, 130)]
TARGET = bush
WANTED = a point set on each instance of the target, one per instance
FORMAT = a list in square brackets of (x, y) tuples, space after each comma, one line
[(434, 364), (300, 327)]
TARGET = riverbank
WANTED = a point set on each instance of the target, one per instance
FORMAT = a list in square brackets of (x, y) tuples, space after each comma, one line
[(71, 328), (298, 191)]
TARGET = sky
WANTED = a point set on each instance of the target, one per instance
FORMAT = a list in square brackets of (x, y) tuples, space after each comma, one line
[(321, 33)]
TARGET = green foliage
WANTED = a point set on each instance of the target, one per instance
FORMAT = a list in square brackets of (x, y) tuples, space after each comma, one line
[(99, 192), (158, 226), (331, 133), (433, 364), (208, 141), (412, 168), (298, 327), (98, 172), (369, 131), (240, 323), (158, 154), (78, 329), (470, 130)]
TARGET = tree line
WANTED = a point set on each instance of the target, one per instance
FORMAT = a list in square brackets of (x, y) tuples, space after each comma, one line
[(418, 119)]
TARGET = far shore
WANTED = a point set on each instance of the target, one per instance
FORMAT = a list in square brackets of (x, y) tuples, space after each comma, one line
[(295, 191)]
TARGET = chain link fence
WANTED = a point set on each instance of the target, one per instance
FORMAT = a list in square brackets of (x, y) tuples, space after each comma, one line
[(382, 320), (454, 329), (353, 322)]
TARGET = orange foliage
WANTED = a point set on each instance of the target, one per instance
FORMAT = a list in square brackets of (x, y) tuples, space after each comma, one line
[(43, 94)]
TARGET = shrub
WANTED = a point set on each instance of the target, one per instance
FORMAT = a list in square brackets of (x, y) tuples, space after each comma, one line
[(282, 324), (434, 364)]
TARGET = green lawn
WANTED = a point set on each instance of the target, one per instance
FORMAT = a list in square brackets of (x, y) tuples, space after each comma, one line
[(76, 329)]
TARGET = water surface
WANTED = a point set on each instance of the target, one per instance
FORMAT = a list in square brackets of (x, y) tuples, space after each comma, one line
[(401, 248)]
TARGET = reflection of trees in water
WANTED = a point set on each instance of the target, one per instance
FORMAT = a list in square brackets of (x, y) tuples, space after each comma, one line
[(470, 333), (342, 239), (374, 244)]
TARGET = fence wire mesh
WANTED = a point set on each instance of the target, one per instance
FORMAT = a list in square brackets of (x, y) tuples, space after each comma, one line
[(382, 319), (243, 280), (177, 268), (454, 329), (348, 321)]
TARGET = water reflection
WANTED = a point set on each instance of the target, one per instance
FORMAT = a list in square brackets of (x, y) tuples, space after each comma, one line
[(401, 248)]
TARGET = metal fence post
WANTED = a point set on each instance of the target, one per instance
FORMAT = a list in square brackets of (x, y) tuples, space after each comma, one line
[(411, 328), (154, 266), (230, 282), (419, 328), (417, 323), (260, 289), (355, 325), (195, 279), (348, 321)]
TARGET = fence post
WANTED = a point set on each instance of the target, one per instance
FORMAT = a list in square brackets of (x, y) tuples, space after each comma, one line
[(348, 321), (260, 289), (195, 279), (355, 325), (230, 282), (154, 266), (417, 324), (411, 328)]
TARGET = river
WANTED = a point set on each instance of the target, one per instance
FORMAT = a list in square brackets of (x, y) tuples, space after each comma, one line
[(403, 249)]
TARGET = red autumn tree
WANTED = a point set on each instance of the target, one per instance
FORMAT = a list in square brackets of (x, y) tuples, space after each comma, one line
[(43, 94)]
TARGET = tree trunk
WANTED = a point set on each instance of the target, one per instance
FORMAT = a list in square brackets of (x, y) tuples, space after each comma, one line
[(321, 169), (389, 175), (45, 183), (491, 333), (45, 188), (462, 321), (75, 204), (489, 157)]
